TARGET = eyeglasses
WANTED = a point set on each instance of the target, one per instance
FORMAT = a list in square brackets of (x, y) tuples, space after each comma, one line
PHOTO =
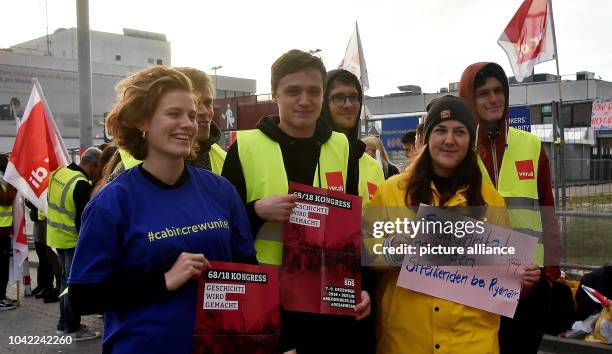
[(340, 99)]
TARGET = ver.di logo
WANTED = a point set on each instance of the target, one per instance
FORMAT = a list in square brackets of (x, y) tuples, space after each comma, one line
[(524, 169)]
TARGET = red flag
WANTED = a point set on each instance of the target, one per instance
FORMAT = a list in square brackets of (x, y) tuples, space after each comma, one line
[(38, 151), (20, 240), (528, 38)]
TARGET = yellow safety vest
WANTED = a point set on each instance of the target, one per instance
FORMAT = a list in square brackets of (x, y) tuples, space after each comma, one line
[(518, 184), (370, 177), (217, 158), (61, 230), (6, 211), (264, 175), (127, 161), (216, 154)]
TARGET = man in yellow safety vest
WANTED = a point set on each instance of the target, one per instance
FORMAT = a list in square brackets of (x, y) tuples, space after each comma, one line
[(341, 109), (516, 163), (69, 192), (293, 146)]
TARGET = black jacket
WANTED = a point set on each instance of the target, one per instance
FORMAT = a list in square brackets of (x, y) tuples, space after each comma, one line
[(300, 158), (309, 333), (356, 146)]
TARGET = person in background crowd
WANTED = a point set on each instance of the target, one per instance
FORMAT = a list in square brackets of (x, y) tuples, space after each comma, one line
[(110, 158), (445, 173), (420, 132), (210, 155), (107, 155), (516, 163), (125, 264), (293, 146), (409, 145), (375, 148), (7, 197), (69, 192), (48, 263)]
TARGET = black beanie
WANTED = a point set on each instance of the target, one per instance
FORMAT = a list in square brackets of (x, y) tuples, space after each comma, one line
[(449, 107)]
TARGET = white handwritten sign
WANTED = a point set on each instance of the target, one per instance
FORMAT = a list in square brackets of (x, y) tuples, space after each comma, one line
[(476, 277)]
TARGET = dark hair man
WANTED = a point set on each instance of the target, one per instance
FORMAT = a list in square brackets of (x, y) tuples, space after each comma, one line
[(341, 109), (292, 146), (516, 163), (409, 143)]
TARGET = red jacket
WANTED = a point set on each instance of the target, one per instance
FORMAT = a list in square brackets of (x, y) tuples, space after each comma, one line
[(550, 225)]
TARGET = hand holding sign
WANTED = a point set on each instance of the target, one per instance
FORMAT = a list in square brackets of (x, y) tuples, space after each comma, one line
[(476, 276), (276, 207), (531, 275), (187, 266)]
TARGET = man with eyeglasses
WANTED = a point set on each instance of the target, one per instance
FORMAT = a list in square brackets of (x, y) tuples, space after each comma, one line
[(341, 109)]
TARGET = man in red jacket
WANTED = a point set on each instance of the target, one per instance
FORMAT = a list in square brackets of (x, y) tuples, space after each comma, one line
[(518, 166)]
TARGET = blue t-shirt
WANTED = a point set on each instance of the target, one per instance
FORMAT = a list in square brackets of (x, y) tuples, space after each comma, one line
[(134, 226)]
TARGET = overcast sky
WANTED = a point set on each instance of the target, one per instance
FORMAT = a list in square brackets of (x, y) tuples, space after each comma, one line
[(426, 43)]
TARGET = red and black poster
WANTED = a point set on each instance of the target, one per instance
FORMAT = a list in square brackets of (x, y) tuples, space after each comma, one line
[(321, 256), (238, 310)]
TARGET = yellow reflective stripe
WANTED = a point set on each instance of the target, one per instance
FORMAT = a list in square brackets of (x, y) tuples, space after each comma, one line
[(528, 232), (522, 203), (269, 252), (61, 226), (525, 219), (67, 187), (61, 210)]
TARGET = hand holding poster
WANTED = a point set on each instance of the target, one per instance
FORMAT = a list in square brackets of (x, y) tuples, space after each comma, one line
[(238, 309), (481, 269), (321, 256)]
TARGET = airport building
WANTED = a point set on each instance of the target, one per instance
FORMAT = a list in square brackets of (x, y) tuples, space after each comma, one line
[(52, 60)]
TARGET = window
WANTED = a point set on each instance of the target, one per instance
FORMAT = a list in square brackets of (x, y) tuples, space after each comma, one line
[(117, 57), (150, 61), (547, 114), (160, 62)]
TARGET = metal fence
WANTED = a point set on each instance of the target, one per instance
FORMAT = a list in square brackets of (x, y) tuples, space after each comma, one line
[(581, 167)]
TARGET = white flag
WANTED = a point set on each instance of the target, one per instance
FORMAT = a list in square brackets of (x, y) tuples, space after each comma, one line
[(354, 60)]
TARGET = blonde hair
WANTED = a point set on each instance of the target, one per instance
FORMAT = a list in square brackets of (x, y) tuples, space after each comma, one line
[(199, 79), (375, 141), (137, 98)]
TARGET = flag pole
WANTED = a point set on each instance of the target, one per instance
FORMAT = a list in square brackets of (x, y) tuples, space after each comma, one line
[(559, 110)]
